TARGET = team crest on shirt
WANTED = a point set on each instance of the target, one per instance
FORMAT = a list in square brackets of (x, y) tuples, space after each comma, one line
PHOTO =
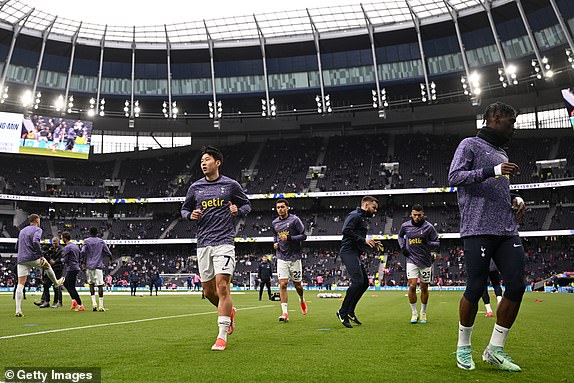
[(222, 189)]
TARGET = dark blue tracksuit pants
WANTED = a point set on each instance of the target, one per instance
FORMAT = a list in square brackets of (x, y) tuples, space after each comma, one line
[(359, 281)]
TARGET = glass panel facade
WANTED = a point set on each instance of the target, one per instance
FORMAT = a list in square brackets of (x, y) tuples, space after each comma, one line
[(400, 70), (81, 83), (240, 84), (150, 87), (483, 56), (191, 86), (54, 80), (396, 62), (445, 64), (550, 37), (348, 76), (286, 81), (21, 74), (517, 47), (116, 86)]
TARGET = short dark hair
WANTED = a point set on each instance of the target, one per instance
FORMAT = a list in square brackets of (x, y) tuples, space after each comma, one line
[(498, 108), (66, 236), (417, 207), (33, 217), (282, 200), (94, 231), (369, 198), (213, 152)]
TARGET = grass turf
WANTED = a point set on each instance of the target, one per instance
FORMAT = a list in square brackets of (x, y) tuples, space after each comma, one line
[(314, 348), (50, 153)]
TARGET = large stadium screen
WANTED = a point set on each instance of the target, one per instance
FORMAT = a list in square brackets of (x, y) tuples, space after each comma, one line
[(568, 96), (45, 135)]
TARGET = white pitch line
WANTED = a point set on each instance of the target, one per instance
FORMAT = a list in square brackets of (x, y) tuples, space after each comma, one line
[(125, 322)]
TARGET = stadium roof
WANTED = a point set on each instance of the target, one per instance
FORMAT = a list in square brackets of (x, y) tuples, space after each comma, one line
[(333, 20)]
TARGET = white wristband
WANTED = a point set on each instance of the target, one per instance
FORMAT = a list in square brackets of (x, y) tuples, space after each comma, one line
[(498, 170)]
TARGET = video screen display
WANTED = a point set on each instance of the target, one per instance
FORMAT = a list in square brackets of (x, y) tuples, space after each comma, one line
[(568, 96), (45, 135)]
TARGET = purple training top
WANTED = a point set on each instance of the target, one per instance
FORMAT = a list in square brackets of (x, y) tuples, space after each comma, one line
[(93, 252), (418, 240), (71, 257), (216, 226), (29, 248), (292, 226), (483, 198)]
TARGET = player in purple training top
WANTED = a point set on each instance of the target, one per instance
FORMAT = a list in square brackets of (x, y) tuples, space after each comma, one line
[(489, 216), (288, 233), (214, 202), (30, 256), (93, 253), (71, 259), (417, 237)]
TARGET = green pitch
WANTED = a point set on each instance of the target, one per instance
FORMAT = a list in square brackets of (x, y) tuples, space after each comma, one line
[(314, 348), (50, 153)]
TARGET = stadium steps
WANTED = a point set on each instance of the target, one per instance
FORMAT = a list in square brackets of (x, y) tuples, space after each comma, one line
[(554, 150), (106, 233), (171, 226), (54, 228), (549, 218), (185, 177), (117, 167), (391, 146), (51, 170), (388, 225), (313, 185), (323, 152), (255, 159)]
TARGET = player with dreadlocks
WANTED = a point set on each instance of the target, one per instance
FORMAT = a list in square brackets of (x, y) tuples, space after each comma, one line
[(489, 216)]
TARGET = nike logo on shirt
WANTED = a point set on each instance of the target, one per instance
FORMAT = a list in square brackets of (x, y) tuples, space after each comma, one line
[(515, 245)]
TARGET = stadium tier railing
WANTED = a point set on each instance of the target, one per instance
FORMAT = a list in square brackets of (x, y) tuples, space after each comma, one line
[(349, 193), (311, 238)]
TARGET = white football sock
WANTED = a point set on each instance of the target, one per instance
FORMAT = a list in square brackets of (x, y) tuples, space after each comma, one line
[(414, 308), (94, 303), (488, 308), (19, 295), (423, 308), (498, 298), (223, 322), (284, 308), (498, 337), (464, 334), (101, 301)]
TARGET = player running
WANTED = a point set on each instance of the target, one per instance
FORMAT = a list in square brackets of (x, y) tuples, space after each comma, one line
[(93, 253), (30, 256), (288, 233), (353, 245), (416, 239), (71, 260), (488, 226), (214, 201)]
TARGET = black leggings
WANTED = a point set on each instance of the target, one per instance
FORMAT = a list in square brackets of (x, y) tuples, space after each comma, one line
[(494, 277), (70, 285), (265, 282), (508, 255)]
